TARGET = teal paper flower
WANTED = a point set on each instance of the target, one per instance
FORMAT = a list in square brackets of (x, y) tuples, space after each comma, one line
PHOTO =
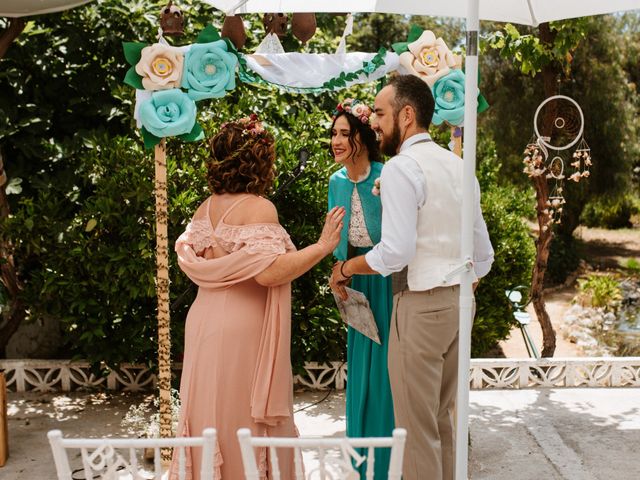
[(209, 70), (448, 93), (168, 113)]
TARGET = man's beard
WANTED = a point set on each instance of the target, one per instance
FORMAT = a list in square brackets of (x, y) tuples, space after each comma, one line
[(390, 145)]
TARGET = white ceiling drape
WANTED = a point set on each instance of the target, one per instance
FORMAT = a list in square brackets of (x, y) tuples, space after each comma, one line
[(23, 8)]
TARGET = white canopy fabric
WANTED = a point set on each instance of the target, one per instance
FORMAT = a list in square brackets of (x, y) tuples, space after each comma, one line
[(525, 12), (24, 8)]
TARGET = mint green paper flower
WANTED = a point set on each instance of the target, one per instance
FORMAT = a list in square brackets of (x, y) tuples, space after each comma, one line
[(448, 93), (168, 113), (209, 70)]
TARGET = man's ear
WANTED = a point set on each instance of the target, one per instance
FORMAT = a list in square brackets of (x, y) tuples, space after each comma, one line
[(408, 115)]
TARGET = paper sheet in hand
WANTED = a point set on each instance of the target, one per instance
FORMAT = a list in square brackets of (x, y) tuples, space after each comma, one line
[(356, 313)]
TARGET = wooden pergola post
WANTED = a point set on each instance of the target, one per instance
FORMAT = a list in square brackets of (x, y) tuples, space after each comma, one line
[(162, 290)]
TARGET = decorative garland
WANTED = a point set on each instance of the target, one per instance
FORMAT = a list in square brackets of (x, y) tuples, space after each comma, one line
[(171, 79)]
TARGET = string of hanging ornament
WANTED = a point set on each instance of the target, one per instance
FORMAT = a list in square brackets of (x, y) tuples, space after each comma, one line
[(557, 151)]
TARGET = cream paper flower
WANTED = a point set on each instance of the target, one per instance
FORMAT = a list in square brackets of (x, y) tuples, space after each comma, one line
[(428, 58), (160, 67)]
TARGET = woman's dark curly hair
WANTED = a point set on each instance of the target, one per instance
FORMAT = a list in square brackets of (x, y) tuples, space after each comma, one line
[(367, 136), (242, 158)]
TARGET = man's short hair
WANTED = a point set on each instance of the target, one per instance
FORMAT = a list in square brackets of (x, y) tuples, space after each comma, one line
[(410, 90)]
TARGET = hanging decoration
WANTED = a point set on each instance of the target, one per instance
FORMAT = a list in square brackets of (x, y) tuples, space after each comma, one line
[(303, 26), (171, 20), (275, 23), (233, 29), (558, 126)]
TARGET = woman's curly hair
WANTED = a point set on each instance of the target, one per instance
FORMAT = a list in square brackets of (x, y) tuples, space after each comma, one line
[(242, 158)]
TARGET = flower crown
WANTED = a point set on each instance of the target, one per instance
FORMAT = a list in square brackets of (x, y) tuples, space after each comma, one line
[(354, 107), (251, 127)]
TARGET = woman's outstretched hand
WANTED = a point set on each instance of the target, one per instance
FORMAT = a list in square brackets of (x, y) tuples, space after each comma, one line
[(330, 236)]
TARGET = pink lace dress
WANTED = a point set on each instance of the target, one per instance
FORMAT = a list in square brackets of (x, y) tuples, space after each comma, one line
[(236, 369)]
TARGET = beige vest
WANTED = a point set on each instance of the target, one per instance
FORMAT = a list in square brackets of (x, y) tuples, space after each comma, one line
[(439, 219)]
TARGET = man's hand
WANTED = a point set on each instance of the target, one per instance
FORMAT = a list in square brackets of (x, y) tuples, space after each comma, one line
[(338, 282)]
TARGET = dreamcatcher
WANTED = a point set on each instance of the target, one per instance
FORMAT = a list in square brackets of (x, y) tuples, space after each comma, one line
[(559, 126)]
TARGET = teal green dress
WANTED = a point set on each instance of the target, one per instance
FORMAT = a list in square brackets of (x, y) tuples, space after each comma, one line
[(369, 403)]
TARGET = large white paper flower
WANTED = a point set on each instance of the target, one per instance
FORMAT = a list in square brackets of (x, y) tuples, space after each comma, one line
[(428, 58)]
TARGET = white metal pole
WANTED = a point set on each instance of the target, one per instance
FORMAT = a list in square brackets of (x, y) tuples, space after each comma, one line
[(466, 280)]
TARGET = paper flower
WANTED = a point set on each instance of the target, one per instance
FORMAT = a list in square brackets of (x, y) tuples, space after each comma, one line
[(428, 58), (160, 67), (210, 70), (448, 93), (168, 113)]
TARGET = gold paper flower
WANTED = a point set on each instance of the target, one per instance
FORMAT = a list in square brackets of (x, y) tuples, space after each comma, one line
[(160, 67)]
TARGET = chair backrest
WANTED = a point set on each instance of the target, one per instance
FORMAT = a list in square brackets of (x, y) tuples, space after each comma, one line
[(328, 467), (118, 458)]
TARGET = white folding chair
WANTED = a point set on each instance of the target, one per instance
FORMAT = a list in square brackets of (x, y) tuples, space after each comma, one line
[(118, 458), (329, 467)]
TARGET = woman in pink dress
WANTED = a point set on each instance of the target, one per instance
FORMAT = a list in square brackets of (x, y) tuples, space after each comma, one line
[(237, 369)]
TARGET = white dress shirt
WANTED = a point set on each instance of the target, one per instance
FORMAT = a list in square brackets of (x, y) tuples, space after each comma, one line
[(397, 246)]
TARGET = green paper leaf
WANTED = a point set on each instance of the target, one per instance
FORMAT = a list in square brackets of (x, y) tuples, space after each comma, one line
[(482, 103), (133, 79), (400, 47), (133, 51), (231, 47), (195, 134), (208, 35), (414, 33), (150, 140)]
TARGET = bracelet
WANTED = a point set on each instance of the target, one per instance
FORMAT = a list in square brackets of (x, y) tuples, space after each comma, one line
[(341, 272)]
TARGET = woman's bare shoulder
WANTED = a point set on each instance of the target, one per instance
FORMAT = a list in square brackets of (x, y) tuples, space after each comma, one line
[(256, 210)]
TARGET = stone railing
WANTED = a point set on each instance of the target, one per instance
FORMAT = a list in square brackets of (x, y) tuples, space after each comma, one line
[(66, 375)]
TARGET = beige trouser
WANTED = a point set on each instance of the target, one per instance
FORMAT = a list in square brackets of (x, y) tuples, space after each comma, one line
[(423, 370)]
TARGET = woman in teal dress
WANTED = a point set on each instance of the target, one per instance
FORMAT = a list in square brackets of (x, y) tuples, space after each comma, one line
[(354, 146)]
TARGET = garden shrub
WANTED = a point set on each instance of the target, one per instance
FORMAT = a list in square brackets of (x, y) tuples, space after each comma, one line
[(609, 212), (599, 291), (504, 207)]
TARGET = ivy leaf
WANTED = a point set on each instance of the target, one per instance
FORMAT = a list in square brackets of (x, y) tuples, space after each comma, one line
[(150, 140), (133, 51), (208, 34), (133, 79)]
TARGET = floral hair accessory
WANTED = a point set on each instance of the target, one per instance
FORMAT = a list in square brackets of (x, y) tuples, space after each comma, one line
[(354, 107), (251, 127)]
